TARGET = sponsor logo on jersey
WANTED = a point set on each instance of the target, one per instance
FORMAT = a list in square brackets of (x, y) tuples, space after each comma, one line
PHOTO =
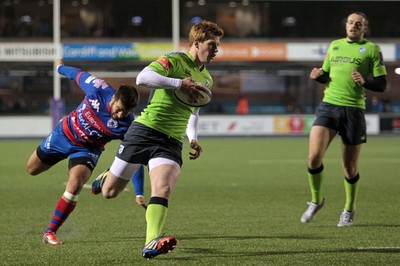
[(97, 83), (88, 162), (100, 83), (208, 84), (121, 149), (362, 50), (94, 156), (89, 79), (346, 59), (92, 120), (111, 123), (164, 62), (48, 141), (95, 104), (86, 125)]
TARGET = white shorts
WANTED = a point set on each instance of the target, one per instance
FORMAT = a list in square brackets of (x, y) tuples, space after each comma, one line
[(124, 170)]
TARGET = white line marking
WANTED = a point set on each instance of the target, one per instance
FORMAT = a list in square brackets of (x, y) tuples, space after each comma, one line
[(304, 161), (90, 186), (377, 248)]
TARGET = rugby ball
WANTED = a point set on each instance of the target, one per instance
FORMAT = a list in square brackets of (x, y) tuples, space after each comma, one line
[(204, 97)]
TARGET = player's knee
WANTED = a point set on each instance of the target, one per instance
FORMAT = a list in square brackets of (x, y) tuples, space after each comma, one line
[(109, 194), (314, 162), (32, 170), (350, 173), (350, 170), (163, 190)]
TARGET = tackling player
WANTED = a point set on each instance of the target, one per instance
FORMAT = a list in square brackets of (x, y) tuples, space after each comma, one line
[(352, 64), (104, 114), (155, 138)]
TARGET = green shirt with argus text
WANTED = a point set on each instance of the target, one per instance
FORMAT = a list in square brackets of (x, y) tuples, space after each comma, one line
[(164, 113), (342, 57)]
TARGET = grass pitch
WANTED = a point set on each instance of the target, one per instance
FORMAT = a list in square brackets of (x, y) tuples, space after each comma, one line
[(239, 204)]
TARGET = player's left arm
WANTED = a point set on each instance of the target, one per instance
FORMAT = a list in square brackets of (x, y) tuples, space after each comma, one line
[(378, 83), (191, 133), (72, 73)]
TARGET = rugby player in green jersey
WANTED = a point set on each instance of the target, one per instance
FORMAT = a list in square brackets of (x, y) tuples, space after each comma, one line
[(351, 65), (155, 138)]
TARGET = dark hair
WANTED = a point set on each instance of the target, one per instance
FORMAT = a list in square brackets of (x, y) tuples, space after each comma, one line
[(128, 95)]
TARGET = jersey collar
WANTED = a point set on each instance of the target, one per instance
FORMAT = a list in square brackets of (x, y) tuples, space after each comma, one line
[(361, 41), (192, 59)]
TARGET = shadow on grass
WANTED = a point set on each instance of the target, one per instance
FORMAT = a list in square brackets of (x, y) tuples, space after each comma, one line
[(297, 237), (211, 252), (379, 225)]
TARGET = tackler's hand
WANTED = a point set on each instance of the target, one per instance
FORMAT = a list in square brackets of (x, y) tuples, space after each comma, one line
[(59, 61), (141, 201)]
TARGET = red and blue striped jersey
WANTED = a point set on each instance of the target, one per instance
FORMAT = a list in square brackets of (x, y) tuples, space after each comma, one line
[(91, 123)]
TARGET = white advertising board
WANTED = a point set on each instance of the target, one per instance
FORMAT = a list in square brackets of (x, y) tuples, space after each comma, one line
[(209, 125), (24, 52)]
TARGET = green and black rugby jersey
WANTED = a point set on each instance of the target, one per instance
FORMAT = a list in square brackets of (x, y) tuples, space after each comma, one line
[(164, 113), (363, 56)]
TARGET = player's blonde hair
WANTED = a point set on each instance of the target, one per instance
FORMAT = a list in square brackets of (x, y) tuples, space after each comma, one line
[(362, 14), (203, 31)]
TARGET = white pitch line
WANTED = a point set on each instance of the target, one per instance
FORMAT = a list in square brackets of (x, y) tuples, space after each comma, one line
[(90, 186), (278, 161), (303, 161), (377, 248)]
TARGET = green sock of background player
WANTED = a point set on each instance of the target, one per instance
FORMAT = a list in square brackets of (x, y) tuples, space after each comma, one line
[(351, 188), (315, 178), (155, 217)]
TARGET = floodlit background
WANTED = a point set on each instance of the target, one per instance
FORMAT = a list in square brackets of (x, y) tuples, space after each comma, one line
[(241, 202), (266, 55)]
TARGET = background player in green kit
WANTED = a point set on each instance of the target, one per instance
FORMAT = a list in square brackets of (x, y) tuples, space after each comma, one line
[(352, 64), (155, 138)]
